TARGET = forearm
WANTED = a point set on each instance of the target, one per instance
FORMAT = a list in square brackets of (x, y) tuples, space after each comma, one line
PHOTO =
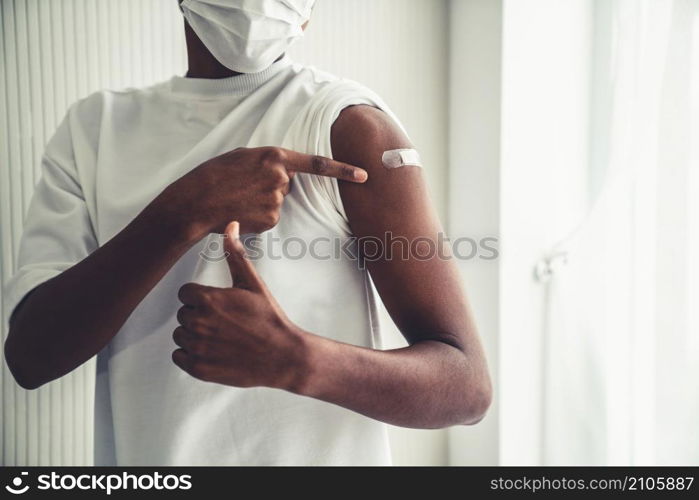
[(428, 385), (70, 318)]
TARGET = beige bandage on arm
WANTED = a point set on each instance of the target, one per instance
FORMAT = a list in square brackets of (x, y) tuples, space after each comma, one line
[(395, 158)]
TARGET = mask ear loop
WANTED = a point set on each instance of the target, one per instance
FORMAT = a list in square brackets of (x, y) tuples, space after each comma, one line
[(400, 158)]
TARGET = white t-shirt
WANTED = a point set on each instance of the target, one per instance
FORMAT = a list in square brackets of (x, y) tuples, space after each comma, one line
[(116, 151)]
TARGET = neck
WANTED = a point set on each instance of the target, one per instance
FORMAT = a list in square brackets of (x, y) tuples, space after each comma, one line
[(200, 61)]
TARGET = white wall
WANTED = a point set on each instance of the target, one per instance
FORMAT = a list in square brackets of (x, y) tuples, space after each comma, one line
[(474, 189), (53, 53), (519, 99)]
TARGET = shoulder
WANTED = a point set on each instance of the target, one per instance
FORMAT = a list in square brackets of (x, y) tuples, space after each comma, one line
[(86, 116), (312, 74), (361, 134), (354, 114), (326, 91), (93, 105), (358, 123)]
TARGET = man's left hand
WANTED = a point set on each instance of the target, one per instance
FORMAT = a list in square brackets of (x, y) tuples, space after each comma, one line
[(238, 336)]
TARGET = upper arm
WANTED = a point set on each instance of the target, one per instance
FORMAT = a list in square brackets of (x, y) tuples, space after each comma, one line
[(57, 230), (415, 275)]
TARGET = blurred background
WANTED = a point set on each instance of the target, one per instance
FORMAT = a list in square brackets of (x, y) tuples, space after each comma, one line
[(566, 129)]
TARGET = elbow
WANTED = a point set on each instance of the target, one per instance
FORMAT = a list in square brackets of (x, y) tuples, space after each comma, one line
[(19, 367), (26, 383), (471, 390), (479, 402), (478, 394)]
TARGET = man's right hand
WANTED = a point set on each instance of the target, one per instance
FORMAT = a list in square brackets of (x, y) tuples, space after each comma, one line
[(247, 185)]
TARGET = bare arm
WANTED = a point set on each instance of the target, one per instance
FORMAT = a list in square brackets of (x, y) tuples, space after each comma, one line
[(239, 336), (65, 321), (442, 377)]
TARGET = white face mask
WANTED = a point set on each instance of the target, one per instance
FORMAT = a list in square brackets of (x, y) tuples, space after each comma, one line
[(247, 36)]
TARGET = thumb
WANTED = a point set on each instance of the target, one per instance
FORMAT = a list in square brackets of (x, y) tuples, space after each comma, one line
[(243, 273)]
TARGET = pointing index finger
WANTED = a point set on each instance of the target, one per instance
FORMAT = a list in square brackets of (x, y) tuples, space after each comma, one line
[(320, 165)]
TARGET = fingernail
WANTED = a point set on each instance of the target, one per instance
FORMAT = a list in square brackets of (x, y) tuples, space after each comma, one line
[(233, 230), (360, 175)]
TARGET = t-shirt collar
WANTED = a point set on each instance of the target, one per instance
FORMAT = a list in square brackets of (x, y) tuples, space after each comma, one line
[(232, 85)]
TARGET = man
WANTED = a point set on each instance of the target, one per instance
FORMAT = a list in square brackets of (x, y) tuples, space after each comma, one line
[(209, 357)]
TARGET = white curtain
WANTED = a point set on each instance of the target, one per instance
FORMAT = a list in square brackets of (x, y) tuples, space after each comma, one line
[(622, 328)]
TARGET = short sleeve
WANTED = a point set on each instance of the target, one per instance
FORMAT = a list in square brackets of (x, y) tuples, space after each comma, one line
[(58, 232), (314, 128)]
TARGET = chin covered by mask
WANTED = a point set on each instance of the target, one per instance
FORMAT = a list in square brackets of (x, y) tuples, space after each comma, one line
[(247, 36)]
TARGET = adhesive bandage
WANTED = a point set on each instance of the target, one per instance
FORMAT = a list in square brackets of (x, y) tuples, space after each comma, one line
[(400, 157)]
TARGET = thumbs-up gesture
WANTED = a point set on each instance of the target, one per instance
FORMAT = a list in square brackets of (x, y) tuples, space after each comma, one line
[(238, 336)]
